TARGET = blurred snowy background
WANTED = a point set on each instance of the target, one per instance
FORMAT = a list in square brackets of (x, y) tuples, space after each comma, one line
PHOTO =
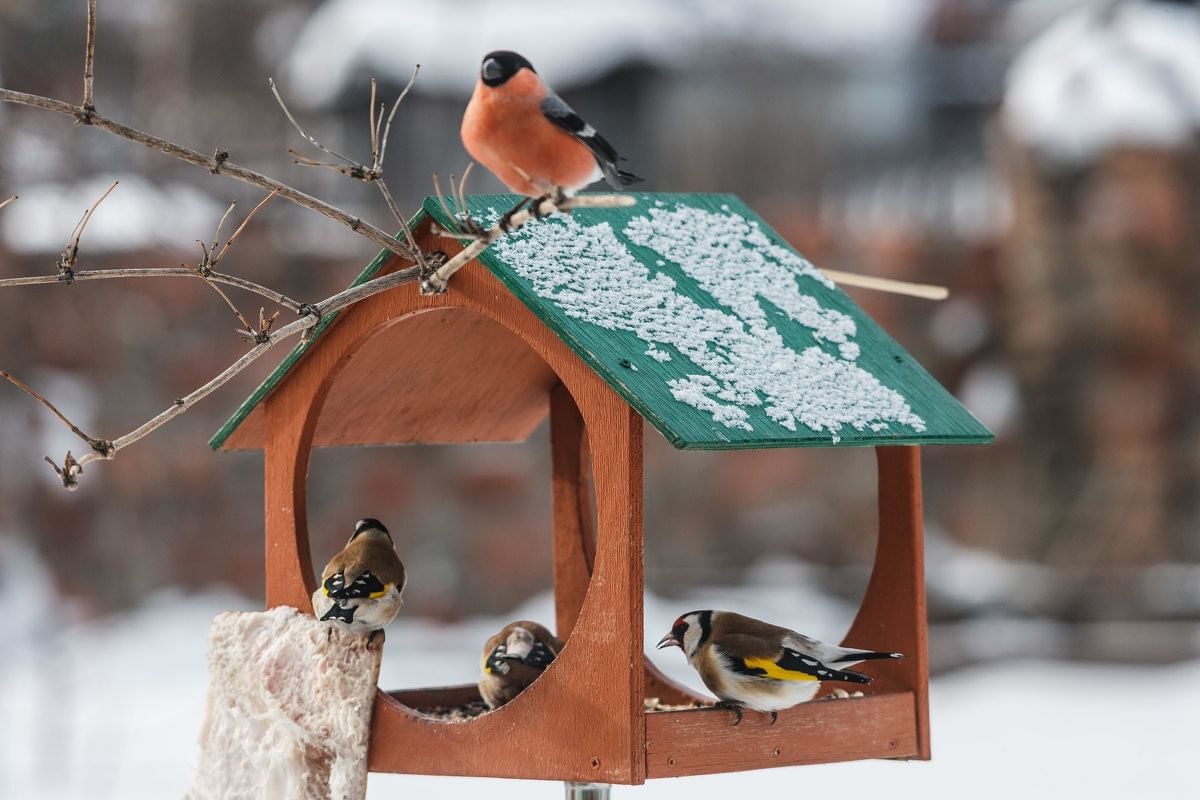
[(1039, 157)]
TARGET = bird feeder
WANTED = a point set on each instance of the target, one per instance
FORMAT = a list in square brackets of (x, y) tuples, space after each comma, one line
[(686, 312)]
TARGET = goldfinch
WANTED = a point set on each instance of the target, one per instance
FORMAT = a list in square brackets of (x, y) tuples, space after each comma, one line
[(517, 127), (513, 659), (748, 663), (362, 585)]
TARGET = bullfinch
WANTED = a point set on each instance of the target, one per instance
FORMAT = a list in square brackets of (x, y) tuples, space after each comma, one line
[(517, 127), (361, 586), (748, 663)]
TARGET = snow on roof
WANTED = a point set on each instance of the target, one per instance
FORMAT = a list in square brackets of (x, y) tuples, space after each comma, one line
[(573, 43), (137, 215), (1104, 77), (740, 359)]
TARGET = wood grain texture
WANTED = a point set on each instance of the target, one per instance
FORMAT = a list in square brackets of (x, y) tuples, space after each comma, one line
[(589, 690), (574, 530), (704, 741), (892, 616)]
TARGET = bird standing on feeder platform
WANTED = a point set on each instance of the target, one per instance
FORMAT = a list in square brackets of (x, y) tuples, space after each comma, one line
[(517, 127), (362, 585), (513, 659), (748, 663)]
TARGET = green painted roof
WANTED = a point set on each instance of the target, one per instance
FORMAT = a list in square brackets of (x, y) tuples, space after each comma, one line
[(710, 325)]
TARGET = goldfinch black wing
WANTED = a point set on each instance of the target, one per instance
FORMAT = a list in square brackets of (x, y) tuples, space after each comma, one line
[(808, 668), (365, 585), (539, 656), (749, 657)]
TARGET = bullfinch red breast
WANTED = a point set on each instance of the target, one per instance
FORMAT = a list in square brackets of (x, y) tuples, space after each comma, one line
[(517, 127)]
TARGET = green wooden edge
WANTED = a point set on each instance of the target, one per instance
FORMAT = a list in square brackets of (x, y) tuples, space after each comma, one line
[(299, 350)]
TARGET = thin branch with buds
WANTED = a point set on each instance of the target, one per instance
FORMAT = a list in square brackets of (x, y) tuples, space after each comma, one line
[(89, 58), (66, 259), (98, 446), (217, 163), (354, 169)]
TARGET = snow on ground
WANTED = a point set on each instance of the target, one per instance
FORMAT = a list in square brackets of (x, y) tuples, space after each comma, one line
[(113, 709)]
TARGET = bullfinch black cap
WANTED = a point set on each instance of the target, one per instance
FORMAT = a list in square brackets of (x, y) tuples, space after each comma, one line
[(500, 65)]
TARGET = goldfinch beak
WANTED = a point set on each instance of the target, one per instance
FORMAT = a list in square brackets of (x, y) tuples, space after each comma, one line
[(669, 641)]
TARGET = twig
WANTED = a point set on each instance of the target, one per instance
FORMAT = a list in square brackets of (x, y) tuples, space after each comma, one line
[(88, 107), (924, 290), (66, 259), (437, 282), (217, 163), (160, 272), (253, 212), (99, 446), (377, 163), (3, 203), (311, 140), (241, 318), (354, 169), (69, 472)]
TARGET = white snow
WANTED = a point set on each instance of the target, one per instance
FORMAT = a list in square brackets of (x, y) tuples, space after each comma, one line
[(1089, 84), (138, 214), (113, 710), (591, 275), (573, 43)]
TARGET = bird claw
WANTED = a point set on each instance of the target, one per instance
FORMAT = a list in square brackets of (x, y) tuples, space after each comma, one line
[(774, 717), (371, 637), (734, 707)]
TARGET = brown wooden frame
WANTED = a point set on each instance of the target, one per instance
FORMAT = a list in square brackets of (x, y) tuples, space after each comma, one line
[(584, 719)]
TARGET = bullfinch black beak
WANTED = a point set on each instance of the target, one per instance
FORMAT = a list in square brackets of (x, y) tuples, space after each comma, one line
[(492, 70), (669, 641)]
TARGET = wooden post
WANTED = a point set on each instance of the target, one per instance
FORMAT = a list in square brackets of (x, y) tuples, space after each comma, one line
[(892, 615)]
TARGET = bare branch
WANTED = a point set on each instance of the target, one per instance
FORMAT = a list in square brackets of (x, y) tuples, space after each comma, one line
[(377, 163), (311, 140), (253, 212), (160, 272), (66, 260), (3, 203), (372, 126), (89, 74), (218, 163), (200, 274), (98, 446)]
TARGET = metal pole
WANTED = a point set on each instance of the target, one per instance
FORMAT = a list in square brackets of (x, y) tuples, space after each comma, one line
[(586, 791)]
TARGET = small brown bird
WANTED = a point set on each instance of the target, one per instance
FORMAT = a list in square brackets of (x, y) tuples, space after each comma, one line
[(362, 585), (514, 658), (748, 663), (517, 127)]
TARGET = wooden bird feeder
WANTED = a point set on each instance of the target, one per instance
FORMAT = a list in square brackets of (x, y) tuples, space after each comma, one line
[(683, 311)]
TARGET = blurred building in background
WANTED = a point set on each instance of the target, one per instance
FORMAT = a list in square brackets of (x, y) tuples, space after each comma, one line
[(866, 131)]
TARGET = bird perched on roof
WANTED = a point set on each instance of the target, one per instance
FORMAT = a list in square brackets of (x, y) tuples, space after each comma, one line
[(514, 658), (362, 585), (517, 127), (748, 663)]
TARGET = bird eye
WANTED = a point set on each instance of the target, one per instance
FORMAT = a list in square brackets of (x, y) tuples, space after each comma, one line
[(491, 70)]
